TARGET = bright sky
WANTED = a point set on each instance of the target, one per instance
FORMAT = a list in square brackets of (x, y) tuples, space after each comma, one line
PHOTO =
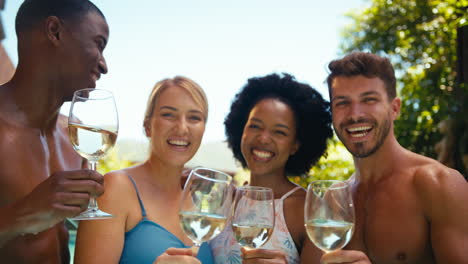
[(219, 44)]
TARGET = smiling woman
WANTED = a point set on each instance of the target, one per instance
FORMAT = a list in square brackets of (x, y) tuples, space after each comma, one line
[(277, 127), (145, 198)]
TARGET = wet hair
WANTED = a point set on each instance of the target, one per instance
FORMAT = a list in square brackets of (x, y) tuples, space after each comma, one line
[(195, 91), (311, 113), (31, 12), (366, 64)]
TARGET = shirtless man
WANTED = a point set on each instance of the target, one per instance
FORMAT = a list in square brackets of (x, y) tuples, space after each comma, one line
[(409, 208), (42, 179)]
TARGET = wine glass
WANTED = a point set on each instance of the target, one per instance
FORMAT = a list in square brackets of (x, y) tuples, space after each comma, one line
[(329, 214), (93, 126), (205, 204), (254, 216)]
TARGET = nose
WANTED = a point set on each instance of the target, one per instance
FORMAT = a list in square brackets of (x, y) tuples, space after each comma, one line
[(264, 137), (182, 126), (355, 112), (102, 65)]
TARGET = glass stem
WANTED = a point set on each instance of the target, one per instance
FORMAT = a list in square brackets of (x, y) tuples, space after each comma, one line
[(92, 200), (195, 248)]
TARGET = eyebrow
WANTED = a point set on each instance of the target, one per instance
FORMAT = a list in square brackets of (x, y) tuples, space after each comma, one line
[(277, 125), (342, 97), (175, 109), (339, 97), (369, 93)]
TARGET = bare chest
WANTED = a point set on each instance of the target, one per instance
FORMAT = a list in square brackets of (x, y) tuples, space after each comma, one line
[(27, 159), (391, 227)]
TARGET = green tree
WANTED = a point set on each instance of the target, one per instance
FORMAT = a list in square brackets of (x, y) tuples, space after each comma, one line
[(112, 162), (420, 37), (336, 165)]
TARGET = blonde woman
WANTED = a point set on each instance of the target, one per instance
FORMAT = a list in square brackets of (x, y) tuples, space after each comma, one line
[(145, 198)]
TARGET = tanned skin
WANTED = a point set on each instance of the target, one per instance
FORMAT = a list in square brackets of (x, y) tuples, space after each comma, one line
[(409, 208), (42, 179)]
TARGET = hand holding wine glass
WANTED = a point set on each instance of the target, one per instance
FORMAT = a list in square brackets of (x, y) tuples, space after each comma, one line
[(205, 204), (93, 127), (329, 214), (254, 216)]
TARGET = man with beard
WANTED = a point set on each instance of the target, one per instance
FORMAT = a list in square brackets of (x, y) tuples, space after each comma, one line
[(42, 179), (409, 208)]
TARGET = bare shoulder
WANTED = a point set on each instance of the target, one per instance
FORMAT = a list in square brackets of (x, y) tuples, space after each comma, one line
[(431, 175), (118, 181), (437, 185), (293, 207)]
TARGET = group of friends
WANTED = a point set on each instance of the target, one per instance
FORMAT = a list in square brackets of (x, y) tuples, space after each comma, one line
[(409, 208)]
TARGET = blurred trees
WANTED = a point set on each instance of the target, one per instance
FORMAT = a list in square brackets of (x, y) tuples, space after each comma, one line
[(112, 162), (336, 165), (420, 38)]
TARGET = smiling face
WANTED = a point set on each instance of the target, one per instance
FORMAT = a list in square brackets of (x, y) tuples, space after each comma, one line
[(362, 114), (82, 54), (269, 137), (176, 127)]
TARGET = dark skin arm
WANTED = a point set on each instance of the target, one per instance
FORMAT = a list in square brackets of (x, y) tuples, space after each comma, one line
[(62, 195)]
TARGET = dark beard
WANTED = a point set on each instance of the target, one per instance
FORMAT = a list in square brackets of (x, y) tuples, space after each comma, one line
[(361, 153)]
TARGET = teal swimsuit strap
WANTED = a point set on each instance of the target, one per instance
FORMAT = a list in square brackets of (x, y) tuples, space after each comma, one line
[(143, 211)]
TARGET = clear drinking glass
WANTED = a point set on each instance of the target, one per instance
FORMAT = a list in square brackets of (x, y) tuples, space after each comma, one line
[(254, 216), (93, 126), (205, 204), (329, 214)]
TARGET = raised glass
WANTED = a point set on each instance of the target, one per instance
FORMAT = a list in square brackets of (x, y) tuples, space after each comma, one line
[(93, 126), (329, 214), (254, 216), (205, 205)]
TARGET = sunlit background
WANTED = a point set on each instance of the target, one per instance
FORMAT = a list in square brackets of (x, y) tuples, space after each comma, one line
[(219, 44)]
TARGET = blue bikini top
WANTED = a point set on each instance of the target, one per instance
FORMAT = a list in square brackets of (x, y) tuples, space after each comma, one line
[(147, 240)]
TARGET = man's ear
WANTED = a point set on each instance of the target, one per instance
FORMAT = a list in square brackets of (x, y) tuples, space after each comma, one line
[(54, 29), (396, 107)]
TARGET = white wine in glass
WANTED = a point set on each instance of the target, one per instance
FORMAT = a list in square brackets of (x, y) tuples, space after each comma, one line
[(93, 126), (254, 216), (205, 204), (329, 214)]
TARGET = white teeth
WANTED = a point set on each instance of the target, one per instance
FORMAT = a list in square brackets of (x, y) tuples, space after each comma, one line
[(178, 142), (358, 135), (262, 154), (357, 129)]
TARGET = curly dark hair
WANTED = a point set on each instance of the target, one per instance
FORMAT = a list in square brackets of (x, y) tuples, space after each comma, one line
[(311, 112)]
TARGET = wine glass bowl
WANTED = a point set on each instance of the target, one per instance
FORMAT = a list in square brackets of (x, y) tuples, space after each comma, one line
[(93, 126), (329, 214), (205, 204), (254, 216)]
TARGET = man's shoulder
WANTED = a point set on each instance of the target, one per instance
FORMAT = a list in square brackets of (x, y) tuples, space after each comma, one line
[(435, 183), (429, 170)]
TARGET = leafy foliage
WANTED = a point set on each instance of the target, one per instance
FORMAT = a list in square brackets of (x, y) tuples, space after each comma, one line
[(112, 162), (336, 165), (420, 38)]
